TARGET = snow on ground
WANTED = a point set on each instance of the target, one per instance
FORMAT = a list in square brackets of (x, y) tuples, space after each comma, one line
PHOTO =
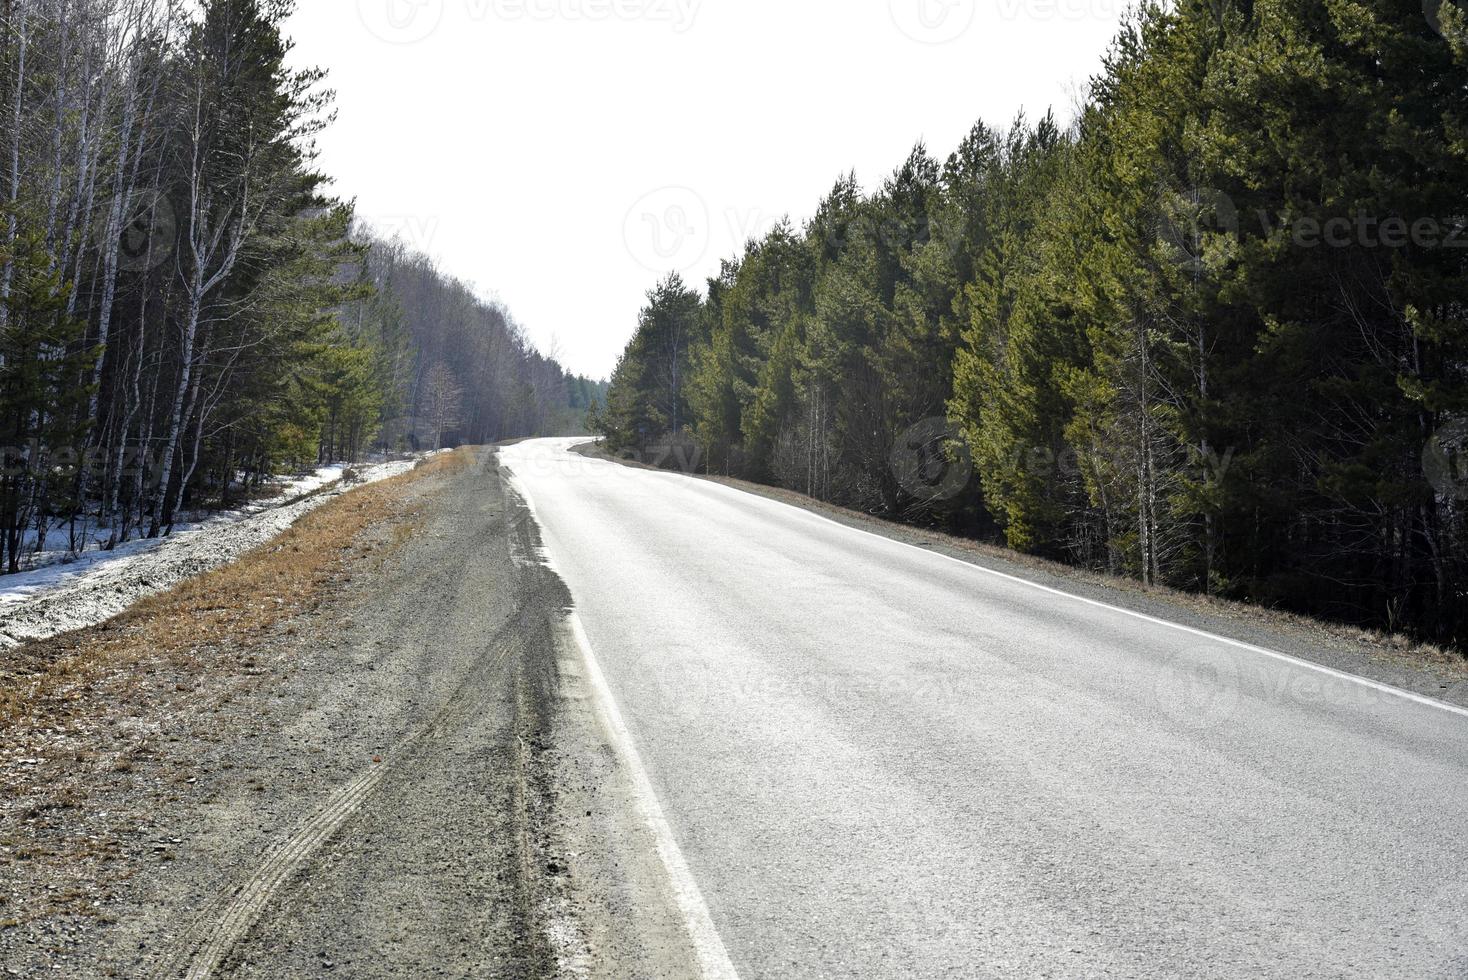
[(98, 585), (57, 565)]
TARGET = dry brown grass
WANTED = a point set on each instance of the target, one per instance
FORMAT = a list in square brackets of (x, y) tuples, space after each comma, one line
[(226, 610), (99, 728)]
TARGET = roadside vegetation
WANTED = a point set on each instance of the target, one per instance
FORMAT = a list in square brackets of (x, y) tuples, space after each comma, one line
[(1213, 336), (79, 711), (185, 309), (221, 612)]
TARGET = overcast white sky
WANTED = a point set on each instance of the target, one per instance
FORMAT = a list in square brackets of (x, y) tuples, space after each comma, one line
[(562, 154)]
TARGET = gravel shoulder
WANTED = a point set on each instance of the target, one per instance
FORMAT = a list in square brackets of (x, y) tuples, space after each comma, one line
[(1425, 670), (386, 765)]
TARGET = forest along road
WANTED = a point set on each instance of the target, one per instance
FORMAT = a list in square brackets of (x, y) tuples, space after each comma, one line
[(880, 762)]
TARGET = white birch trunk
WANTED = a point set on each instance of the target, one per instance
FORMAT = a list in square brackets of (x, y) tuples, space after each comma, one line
[(175, 416), (53, 203), (17, 116)]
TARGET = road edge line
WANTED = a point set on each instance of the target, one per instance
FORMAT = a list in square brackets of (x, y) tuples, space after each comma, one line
[(713, 957), (1157, 621), (708, 946), (1367, 682)]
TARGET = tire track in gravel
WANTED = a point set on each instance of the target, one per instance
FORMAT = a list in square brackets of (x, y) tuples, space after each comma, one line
[(474, 818), (216, 932)]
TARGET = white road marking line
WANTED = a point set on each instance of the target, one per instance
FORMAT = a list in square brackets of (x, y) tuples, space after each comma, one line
[(713, 958), (1263, 651), (1240, 644)]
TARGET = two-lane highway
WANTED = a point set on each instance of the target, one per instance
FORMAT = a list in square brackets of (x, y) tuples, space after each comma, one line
[(880, 762)]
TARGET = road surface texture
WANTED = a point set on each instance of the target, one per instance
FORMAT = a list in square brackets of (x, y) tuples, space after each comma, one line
[(409, 780), (873, 761)]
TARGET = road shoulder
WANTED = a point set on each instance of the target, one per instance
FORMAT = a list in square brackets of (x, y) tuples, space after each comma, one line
[(361, 747)]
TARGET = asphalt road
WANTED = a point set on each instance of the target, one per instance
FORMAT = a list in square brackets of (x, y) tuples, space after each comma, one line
[(880, 762)]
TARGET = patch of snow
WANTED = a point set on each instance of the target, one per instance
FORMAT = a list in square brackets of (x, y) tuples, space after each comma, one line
[(97, 585), (57, 563)]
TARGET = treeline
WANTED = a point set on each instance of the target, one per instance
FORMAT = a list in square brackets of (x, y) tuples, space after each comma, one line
[(1214, 336), (457, 369), (184, 308)]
